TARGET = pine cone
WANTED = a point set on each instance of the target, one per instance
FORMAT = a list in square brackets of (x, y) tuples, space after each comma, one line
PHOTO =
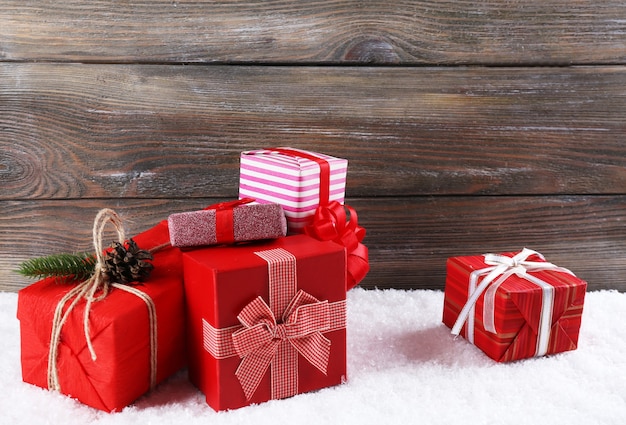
[(127, 263)]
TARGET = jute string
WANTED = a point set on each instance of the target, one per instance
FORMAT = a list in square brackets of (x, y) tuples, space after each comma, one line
[(87, 290)]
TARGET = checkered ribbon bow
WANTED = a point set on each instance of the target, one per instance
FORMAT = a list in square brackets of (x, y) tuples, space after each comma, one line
[(263, 342)]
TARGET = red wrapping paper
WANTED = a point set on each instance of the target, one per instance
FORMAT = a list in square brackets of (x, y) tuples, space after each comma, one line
[(221, 281), (518, 307), (119, 329)]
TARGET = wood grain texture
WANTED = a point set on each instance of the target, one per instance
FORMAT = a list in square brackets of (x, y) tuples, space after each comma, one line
[(409, 238), (149, 131), (303, 31), (469, 127)]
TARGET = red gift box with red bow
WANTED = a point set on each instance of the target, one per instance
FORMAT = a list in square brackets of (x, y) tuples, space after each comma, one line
[(138, 338), (514, 305), (265, 320)]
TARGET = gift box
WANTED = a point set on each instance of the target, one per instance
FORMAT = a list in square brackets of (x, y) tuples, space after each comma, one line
[(227, 223), (265, 320), (138, 337), (513, 305), (298, 180)]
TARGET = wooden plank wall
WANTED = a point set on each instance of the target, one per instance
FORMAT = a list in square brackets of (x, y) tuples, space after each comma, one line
[(470, 127)]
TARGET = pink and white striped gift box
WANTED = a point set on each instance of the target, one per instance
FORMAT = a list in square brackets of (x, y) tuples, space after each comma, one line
[(296, 179)]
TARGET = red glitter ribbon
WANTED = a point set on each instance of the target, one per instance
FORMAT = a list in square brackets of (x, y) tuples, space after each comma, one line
[(264, 342), (224, 224), (324, 170), (331, 223)]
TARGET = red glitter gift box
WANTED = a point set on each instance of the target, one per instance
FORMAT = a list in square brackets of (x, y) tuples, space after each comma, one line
[(265, 320), (134, 353), (513, 306), (226, 223)]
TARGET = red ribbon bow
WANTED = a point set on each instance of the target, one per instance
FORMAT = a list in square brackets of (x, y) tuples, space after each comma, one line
[(224, 226), (263, 341), (330, 223)]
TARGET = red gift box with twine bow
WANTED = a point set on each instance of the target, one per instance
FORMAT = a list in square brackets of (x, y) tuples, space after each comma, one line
[(265, 320), (138, 338), (514, 305)]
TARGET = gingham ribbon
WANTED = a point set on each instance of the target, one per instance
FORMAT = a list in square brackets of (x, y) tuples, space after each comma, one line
[(265, 343), (501, 268)]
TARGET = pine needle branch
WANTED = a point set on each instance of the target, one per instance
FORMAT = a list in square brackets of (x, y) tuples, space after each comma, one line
[(80, 265)]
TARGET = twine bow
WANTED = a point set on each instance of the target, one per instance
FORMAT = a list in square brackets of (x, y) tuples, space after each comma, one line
[(259, 342), (87, 290)]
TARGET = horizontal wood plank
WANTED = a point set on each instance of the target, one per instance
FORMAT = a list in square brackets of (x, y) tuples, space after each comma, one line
[(303, 31), (146, 131), (409, 238)]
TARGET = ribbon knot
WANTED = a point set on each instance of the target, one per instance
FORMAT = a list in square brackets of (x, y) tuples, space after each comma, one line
[(229, 205), (263, 341), (331, 223), (518, 260), (280, 332)]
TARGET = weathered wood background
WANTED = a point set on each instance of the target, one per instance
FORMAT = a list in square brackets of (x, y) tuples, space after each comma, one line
[(469, 127)]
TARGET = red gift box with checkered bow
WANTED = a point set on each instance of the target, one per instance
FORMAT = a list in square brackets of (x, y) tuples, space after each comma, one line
[(513, 305), (265, 320)]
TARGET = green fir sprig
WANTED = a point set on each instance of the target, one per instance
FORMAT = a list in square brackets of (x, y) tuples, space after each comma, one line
[(79, 265)]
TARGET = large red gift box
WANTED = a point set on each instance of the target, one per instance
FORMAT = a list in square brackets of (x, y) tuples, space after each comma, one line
[(131, 355), (265, 320), (514, 305)]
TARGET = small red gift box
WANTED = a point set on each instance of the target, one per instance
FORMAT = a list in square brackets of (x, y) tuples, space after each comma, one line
[(139, 338), (513, 306), (265, 320), (298, 180)]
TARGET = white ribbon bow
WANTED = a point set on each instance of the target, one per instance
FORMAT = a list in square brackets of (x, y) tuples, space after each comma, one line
[(501, 268)]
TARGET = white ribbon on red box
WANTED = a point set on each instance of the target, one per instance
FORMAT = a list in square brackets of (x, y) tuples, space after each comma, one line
[(500, 269)]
